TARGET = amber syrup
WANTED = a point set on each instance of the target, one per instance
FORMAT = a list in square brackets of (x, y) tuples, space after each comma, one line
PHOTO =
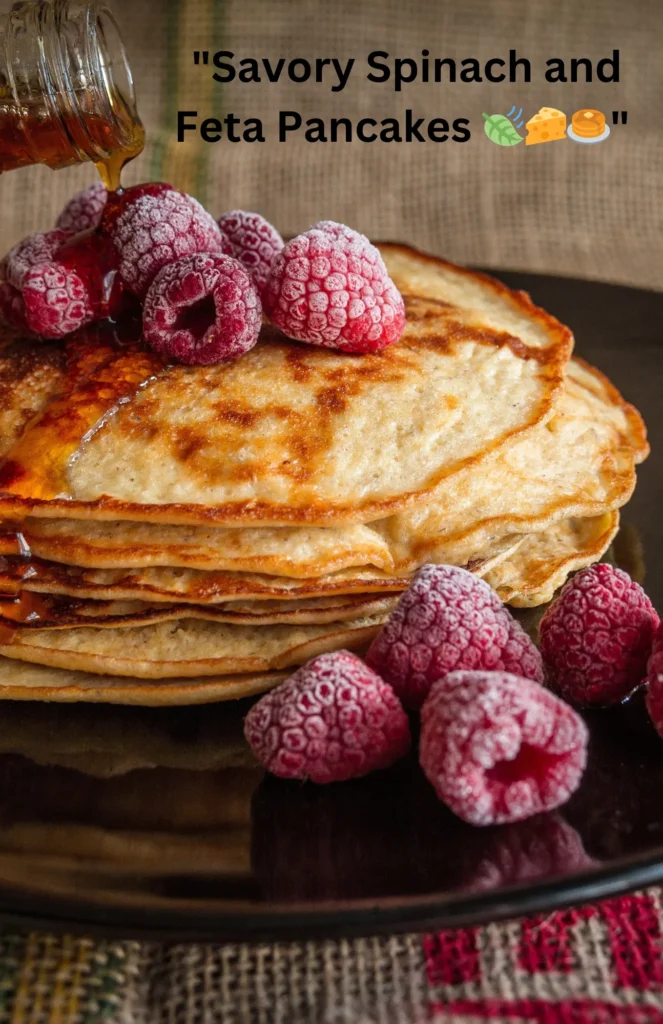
[(60, 140)]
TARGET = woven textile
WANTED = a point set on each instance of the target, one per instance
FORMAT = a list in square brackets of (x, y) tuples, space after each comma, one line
[(592, 965), (592, 211)]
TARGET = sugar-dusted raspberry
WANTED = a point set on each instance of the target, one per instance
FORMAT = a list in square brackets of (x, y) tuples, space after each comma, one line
[(30, 252), (333, 290), (154, 225), (84, 210), (655, 681), (448, 620), (254, 242), (596, 637), (498, 748), (334, 719), (56, 300), (202, 309), (337, 230), (40, 293)]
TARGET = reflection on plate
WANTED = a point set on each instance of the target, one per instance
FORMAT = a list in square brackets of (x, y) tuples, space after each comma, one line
[(598, 138)]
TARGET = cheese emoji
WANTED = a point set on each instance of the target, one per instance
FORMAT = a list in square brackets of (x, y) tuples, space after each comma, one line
[(546, 126)]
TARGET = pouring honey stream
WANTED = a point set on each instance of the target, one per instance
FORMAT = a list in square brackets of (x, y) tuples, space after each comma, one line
[(66, 97)]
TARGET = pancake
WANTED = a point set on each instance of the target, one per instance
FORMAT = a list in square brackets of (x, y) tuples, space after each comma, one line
[(531, 577), (64, 612), (579, 463), (290, 434), (30, 374), (544, 560), (298, 552), (587, 123), (193, 586), (184, 649), (190, 586), (25, 681)]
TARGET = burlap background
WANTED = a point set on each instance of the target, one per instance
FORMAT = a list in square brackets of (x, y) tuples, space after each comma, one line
[(591, 965), (592, 211)]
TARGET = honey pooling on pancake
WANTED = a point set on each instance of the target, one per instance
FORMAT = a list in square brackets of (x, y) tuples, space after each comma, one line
[(100, 376), (588, 123), (18, 606)]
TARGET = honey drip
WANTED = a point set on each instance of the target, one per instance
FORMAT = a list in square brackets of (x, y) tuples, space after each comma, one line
[(110, 169), (19, 607)]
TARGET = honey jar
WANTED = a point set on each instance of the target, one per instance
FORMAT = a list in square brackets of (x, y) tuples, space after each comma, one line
[(66, 89)]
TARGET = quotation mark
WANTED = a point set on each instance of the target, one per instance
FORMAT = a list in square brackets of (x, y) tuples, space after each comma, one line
[(197, 55), (615, 116)]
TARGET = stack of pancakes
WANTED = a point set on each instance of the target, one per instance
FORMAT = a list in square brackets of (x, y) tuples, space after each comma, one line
[(189, 534), (588, 124)]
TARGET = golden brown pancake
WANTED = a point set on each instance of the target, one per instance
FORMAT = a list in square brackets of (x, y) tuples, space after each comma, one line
[(25, 681), (289, 433), (193, 586), (297, 552), (185, 648), (526, 580), (64, 612), (543, 562), (180, 535), (580, 462)]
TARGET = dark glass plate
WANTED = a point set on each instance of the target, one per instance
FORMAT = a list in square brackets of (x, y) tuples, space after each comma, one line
[(194, 842)]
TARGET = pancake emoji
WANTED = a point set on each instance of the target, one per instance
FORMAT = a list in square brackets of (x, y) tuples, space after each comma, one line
[(174, 535), (588, 124)]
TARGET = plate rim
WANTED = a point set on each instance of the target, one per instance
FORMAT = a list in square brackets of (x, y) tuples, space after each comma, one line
[(247, 921)]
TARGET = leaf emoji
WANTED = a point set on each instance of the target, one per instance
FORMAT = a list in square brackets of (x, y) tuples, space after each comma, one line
[(499, 130)]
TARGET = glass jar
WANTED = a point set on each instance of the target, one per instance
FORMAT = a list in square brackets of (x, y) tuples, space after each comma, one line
[(66, 90)]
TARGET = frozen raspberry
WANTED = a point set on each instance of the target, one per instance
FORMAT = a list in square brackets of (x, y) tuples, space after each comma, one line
[(498, 748), (254, 242), (32, 251), (337, 230), (448, 620), (596, 637), (655, 680), (44, 292), (56, 300), (333, 290), (334, 719), (154, 225), (202, 309), (84, 210)]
